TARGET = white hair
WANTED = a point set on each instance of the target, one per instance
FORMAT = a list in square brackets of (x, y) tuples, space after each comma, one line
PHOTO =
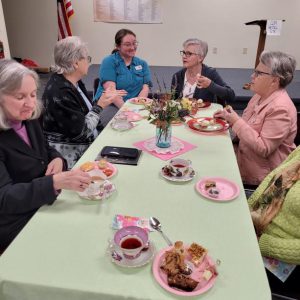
[(202, 47), (12, 74), (67, 52)]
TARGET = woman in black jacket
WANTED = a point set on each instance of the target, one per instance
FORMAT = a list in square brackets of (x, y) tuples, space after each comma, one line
[(71, 121), (31, 172), (197, 80)]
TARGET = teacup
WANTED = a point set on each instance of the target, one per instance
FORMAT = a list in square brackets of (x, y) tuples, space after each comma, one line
[(179, 166), (131, 240)]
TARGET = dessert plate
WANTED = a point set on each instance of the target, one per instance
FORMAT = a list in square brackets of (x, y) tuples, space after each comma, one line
[(228, 189), (197, 273), (204, 104), (133, 116), (98, 190), (207, 124), (140, 100), (187, 177), (117, 257), (108, 174)]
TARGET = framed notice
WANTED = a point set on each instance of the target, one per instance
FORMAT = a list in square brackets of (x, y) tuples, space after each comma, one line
[(128, 11)]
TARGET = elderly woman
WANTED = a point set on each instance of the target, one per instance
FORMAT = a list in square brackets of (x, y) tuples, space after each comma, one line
[(197, 80), (30, 171), (71, 121), (275, 211), (267, 129)]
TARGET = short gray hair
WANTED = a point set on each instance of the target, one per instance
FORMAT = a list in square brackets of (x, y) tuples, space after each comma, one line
[(281, 64), (202, 46), (67, 52), (11, 77)]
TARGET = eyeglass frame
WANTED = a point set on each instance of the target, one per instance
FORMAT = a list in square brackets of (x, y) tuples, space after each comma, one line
[(89, 59), (187, 53), (257, 73), (127, 45)]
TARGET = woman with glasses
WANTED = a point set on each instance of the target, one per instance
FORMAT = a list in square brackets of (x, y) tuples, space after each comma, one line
[(266, 131), (123, 70), (197, 80), (71, 121)]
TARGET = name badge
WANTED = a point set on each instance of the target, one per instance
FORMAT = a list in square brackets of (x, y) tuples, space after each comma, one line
[(139, 67)]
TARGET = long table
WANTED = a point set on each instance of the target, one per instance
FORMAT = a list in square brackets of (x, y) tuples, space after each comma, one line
[(61, 253)]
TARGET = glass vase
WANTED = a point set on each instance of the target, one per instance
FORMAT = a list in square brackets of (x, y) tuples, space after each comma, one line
[(163, 136)]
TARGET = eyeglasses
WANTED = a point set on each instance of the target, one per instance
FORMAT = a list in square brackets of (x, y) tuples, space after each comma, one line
[(134, 44), (259, 73), (89, 59), (187, 53)]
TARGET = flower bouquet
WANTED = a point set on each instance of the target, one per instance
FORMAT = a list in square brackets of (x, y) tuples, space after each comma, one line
[(162, 113)]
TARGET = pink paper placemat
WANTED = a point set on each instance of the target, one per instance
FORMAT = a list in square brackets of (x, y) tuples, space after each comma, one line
[(187, 147)]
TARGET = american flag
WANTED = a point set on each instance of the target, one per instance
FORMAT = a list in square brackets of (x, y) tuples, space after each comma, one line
[(64, 12)]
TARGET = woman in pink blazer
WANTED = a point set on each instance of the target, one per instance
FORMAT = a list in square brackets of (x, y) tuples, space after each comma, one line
[(266, 131)]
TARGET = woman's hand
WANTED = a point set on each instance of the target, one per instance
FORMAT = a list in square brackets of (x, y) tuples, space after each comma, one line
[(76, 180), (227, 114), (111, 95), (202, 82), (55, 166)]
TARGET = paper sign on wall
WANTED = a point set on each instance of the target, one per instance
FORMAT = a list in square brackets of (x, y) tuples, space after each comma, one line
[(274, 27), (128, 11)]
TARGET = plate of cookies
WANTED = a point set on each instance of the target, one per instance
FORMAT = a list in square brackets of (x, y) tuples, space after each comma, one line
[(185, 270), (217, 188), (108, 169)]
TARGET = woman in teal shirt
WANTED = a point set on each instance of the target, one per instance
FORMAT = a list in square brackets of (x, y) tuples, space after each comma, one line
[(123, 70)]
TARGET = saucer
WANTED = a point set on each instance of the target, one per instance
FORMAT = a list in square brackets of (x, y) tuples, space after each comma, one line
[(117, 257), (98, 190), (187, 177), (121, 126)]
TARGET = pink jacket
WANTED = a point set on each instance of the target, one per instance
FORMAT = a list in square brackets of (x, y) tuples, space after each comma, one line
[(266, 132)]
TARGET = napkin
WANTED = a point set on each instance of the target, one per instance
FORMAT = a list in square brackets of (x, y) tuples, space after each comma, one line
[(120, 221)]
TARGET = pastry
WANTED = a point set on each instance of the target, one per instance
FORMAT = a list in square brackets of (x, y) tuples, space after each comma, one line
[(182, 282), (210, 184), (179, 247), (197, 253), (173, 263), (213, 192), (102, 164), (88, 166)]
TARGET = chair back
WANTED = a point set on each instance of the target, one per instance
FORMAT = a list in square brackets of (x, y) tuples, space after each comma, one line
[(297, 138), (95, 87)]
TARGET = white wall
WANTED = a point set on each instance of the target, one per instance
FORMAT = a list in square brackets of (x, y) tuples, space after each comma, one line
[(32, 30), (3, 35)]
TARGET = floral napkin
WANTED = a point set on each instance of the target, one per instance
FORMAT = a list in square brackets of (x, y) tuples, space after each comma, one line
[(120, 221), (279, 268)]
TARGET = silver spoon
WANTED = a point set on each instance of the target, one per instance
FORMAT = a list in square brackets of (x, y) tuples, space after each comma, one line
[(155, 224)]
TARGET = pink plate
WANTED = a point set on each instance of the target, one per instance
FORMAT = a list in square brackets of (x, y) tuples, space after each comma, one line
[(140, 100), (228, 189), (109, 166), (133, 116), (197, 273)]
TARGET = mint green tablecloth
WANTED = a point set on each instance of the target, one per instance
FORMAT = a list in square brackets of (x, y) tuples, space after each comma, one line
[(61, 253)]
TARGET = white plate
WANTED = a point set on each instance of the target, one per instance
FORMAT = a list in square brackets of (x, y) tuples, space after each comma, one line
[(189, 176), (99, 190), (118, 258), (121, 126)]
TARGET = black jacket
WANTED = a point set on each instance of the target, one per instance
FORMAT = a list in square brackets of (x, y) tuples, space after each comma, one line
[(217, 89), (23, 186)]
